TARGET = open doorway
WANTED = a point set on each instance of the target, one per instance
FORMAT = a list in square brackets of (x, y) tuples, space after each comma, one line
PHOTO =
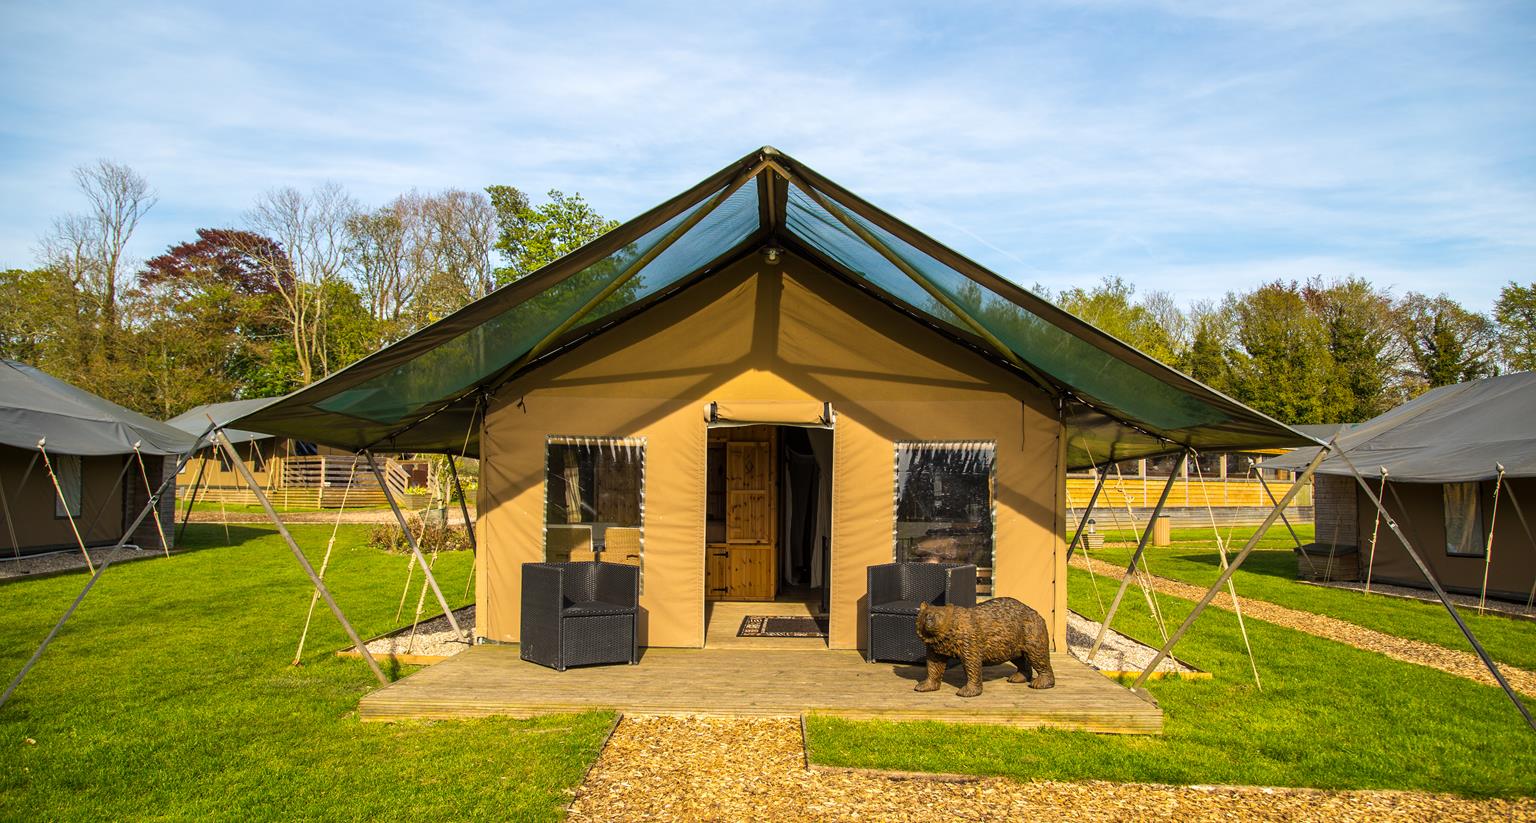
[(767, 534)]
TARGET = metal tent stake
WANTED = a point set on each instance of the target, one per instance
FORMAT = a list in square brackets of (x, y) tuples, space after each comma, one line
[(410, 540), (1130, 569), (266, 503)]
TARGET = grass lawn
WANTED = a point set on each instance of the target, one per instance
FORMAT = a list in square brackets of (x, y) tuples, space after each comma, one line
[(170, 694), (1270, 574), (1330, 716)]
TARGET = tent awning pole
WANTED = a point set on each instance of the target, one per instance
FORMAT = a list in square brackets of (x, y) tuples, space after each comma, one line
[(1130, 569), (121, 541), (1445, 600), (298, 554), (635, 268), (933, 291), (1087, 512), (1493, 521), (469, 526), (192, 499), (1287, 521), (410, 540), (1226, 574), (1514, 502)]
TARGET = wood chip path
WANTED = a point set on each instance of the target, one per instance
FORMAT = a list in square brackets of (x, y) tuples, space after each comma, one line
[(665, 768), (1452, 661)]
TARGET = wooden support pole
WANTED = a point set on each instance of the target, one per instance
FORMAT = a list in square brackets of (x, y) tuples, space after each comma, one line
[(1445, 600), (293, 546), (1081, 524), (1370, 564), (410, 540), (1226, 574), (165, 545), (1493, 521), (1130, 568)]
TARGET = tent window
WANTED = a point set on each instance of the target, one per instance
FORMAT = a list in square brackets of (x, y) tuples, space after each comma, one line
[(944, 502), (67, 468), (1463, 520), (594, 502)]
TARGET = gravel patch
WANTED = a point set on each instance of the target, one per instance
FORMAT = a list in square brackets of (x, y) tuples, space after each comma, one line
[(432, 638), (1465, 601), (1117, 653), (24, 566), (1451, 661), (664, 768)]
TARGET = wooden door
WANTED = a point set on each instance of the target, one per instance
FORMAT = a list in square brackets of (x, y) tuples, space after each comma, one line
[(749, 515), (717, 572)]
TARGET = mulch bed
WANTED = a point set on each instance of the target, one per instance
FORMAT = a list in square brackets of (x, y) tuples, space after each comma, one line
[(65, 561), (665, 768)]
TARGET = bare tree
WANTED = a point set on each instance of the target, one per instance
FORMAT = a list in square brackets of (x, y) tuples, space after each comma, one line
[(119, 199), (311, 230)]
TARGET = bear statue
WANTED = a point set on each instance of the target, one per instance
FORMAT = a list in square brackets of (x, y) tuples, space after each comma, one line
[(997, 631)]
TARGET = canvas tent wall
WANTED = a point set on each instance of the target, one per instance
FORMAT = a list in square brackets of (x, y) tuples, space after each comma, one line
[(90, 443), (767, 225), (1442, 453)]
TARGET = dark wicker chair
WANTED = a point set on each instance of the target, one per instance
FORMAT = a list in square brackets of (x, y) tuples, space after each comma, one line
[(895, 592), (580, 613)]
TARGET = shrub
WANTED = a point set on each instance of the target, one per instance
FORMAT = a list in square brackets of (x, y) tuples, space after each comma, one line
[(436, 537)]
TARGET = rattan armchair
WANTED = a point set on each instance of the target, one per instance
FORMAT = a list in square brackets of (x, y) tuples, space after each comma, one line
[(896, 590), (580, 613)]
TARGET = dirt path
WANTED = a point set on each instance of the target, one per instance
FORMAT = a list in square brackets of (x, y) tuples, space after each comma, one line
[(660, 768), (1451, 661)]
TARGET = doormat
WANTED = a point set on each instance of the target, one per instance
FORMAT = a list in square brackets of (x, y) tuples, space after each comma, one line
[(783, 626)]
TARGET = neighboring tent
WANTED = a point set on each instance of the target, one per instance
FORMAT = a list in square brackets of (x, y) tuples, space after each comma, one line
[(772, 293), (1445, 454), (90, 445), (195, 421)]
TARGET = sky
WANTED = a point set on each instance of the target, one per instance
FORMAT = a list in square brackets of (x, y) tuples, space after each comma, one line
[(1186, 146)]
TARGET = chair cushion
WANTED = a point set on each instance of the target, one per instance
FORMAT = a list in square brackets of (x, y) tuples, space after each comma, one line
[(595, 608), (897, 607)]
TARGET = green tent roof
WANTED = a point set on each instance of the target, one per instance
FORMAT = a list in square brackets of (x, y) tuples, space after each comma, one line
[(422, 393)]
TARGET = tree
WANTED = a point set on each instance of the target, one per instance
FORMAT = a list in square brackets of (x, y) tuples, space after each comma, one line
[(1515, 312), (311, 230), (1445, 342), (210, 311), (1281, 364), (1111, 307), (1205, 359), (530, 237), (1358, 321)]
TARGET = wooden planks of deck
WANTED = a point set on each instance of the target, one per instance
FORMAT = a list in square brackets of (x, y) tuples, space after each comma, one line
[(492, 680)]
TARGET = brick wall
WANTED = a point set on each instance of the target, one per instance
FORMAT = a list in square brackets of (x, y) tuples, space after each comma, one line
[(135, 496), (1334, 510)]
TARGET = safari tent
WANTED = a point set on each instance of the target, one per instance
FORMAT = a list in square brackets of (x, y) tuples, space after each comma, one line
[(1456, 470), (758, 389), (74, 466)]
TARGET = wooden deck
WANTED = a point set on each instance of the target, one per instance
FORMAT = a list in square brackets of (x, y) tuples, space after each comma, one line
[(492, 680)]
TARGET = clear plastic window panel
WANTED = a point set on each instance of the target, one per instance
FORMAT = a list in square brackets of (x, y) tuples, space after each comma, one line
[(594, 499), (1463, 520), (457, 364), (944, 505), (1073, 361)]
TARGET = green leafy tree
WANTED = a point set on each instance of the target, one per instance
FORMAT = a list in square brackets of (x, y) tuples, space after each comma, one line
[(1111, 306), (530, 237), (1515, 312), (1358, 321), (1205, 359), (1445, 342), (1281, 364)]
